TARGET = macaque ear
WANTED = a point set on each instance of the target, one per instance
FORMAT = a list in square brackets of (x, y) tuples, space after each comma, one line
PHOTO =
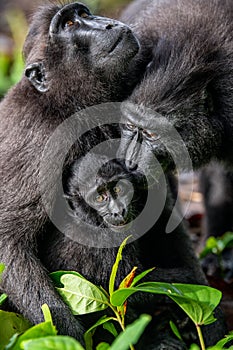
[(36, 74)]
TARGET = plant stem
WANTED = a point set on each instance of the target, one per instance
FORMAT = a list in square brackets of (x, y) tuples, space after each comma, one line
[(120, 321), (199, 332)]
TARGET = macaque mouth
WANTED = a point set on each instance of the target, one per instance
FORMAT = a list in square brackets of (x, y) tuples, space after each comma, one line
[(117, 223), (117, 42), (122, 224), (120, 227), (125, 223)]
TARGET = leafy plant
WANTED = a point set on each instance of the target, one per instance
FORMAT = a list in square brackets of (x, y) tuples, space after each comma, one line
[(83, 297), (197, 301), (219, 346), (3, 297), (42, 336), (11, 323), (216, 245)]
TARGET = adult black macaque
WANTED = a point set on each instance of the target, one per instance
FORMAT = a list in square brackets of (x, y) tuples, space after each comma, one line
[(107, 200), (188, 83), (73, 59), (187, 86)]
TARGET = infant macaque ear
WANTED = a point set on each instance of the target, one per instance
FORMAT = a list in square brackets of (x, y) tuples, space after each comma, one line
[(35, 73)]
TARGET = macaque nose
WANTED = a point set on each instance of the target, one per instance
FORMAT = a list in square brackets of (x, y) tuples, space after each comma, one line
[(130, 165), (119, 213), (111, 25)]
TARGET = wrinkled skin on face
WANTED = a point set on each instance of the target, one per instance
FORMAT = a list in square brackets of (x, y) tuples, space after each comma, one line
[(99, 192), (188, 84), (81, 46), (110, 198), (73, 59)]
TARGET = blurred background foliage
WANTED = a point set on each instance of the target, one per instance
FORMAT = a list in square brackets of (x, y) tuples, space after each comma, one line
[(14, 18), (11, 62)]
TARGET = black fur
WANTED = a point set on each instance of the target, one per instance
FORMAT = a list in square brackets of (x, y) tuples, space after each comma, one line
[(54, 87), (66, 70), (189, 81), (171, 254)]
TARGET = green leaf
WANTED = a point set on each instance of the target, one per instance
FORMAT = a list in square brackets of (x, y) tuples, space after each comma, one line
[(116, 265), (217, 245), (41, 330), (3, 297), (131, 334), (194, 347), (2, 268), (82, 296), (227, 239), (140, 276), (197, 301), (52, 343), (109, 326), (56, 276), (4, 78), (90, 332), (211, 242), (11, 323), (175, 330), (210, 247), (46, 313), (12, 342), (103, 346), (224, 341)]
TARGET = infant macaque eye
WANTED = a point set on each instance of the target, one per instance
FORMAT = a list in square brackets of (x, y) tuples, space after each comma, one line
[(100, 198), (117, 189), (130, 126)]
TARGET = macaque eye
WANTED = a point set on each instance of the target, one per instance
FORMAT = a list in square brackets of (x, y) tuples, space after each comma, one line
[(117, 189), (131, 126), (100, 198), (150, 135), (69, 23), (83, 14)]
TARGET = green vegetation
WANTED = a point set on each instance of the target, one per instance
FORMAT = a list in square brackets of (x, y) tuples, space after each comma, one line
[(216, 245), (107, 7), (11, 63), (83, 297)]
